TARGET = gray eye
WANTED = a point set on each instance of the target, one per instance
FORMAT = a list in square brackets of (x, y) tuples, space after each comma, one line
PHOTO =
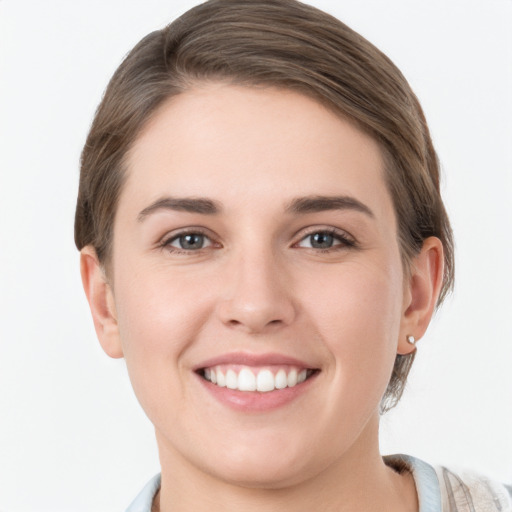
[(190, 241), (321, 240), (325, 240)]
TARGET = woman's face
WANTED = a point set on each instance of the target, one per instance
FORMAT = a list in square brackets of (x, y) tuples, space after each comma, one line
[(255, 239)]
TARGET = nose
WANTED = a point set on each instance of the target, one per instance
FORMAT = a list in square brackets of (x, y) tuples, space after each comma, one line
[(258, 294)]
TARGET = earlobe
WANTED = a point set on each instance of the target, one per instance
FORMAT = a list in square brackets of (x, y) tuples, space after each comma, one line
[(101, 302), (422, 291)]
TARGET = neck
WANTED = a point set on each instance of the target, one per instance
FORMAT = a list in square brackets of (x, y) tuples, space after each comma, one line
[(359, 480)]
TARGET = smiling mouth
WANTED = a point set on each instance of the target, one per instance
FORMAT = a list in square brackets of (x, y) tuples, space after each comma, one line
[(250, 379)]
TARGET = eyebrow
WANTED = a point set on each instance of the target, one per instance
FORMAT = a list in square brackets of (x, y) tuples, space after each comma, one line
[(301, 205), (200, 205), (312, 204)]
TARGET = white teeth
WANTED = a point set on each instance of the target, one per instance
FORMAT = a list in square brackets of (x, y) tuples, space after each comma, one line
[(221, 378), (264, 380), (231, 380), (292, 378), (246, 380), (281, 380)]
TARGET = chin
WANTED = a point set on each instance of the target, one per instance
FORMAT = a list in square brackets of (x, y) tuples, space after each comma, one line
[(261, 474), (264, 463)]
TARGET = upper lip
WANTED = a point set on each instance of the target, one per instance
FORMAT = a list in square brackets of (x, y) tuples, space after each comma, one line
[(248, 359)]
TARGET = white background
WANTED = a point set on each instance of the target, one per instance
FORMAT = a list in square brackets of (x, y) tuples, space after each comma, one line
[(72, 436)]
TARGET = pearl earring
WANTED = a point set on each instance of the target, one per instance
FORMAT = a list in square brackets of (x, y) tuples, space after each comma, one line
[(411, 340)]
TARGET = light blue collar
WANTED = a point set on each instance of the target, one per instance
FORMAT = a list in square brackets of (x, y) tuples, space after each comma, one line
[(425, 478), (144, 500)]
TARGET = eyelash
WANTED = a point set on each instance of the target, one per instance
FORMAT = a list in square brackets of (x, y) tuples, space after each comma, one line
[(346, 241), (166, 242)]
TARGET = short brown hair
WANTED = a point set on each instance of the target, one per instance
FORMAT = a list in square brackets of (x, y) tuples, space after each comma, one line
[(280, 43)]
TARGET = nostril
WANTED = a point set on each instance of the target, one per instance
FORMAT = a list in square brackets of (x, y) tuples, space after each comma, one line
[(252, 325)]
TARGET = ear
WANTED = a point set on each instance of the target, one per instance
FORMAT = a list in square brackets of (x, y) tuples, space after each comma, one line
[(101, 301), (421, 291)]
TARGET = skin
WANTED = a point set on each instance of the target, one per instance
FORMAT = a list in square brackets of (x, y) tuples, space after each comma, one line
[(259, 285)]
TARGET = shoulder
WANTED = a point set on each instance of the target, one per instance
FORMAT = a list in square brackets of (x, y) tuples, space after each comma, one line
[(441, 489), (468, 490)]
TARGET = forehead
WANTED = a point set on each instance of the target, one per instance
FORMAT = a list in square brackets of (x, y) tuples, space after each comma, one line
[(234, 141)]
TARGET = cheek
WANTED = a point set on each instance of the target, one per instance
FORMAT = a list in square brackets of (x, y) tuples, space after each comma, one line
[(358, 299), (158, 307), (159, 317), (358, 317)]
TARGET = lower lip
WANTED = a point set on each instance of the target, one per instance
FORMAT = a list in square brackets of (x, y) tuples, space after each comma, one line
[(254, 401)]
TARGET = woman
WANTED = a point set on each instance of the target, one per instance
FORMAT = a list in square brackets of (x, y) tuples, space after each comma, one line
[(263, 240)]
